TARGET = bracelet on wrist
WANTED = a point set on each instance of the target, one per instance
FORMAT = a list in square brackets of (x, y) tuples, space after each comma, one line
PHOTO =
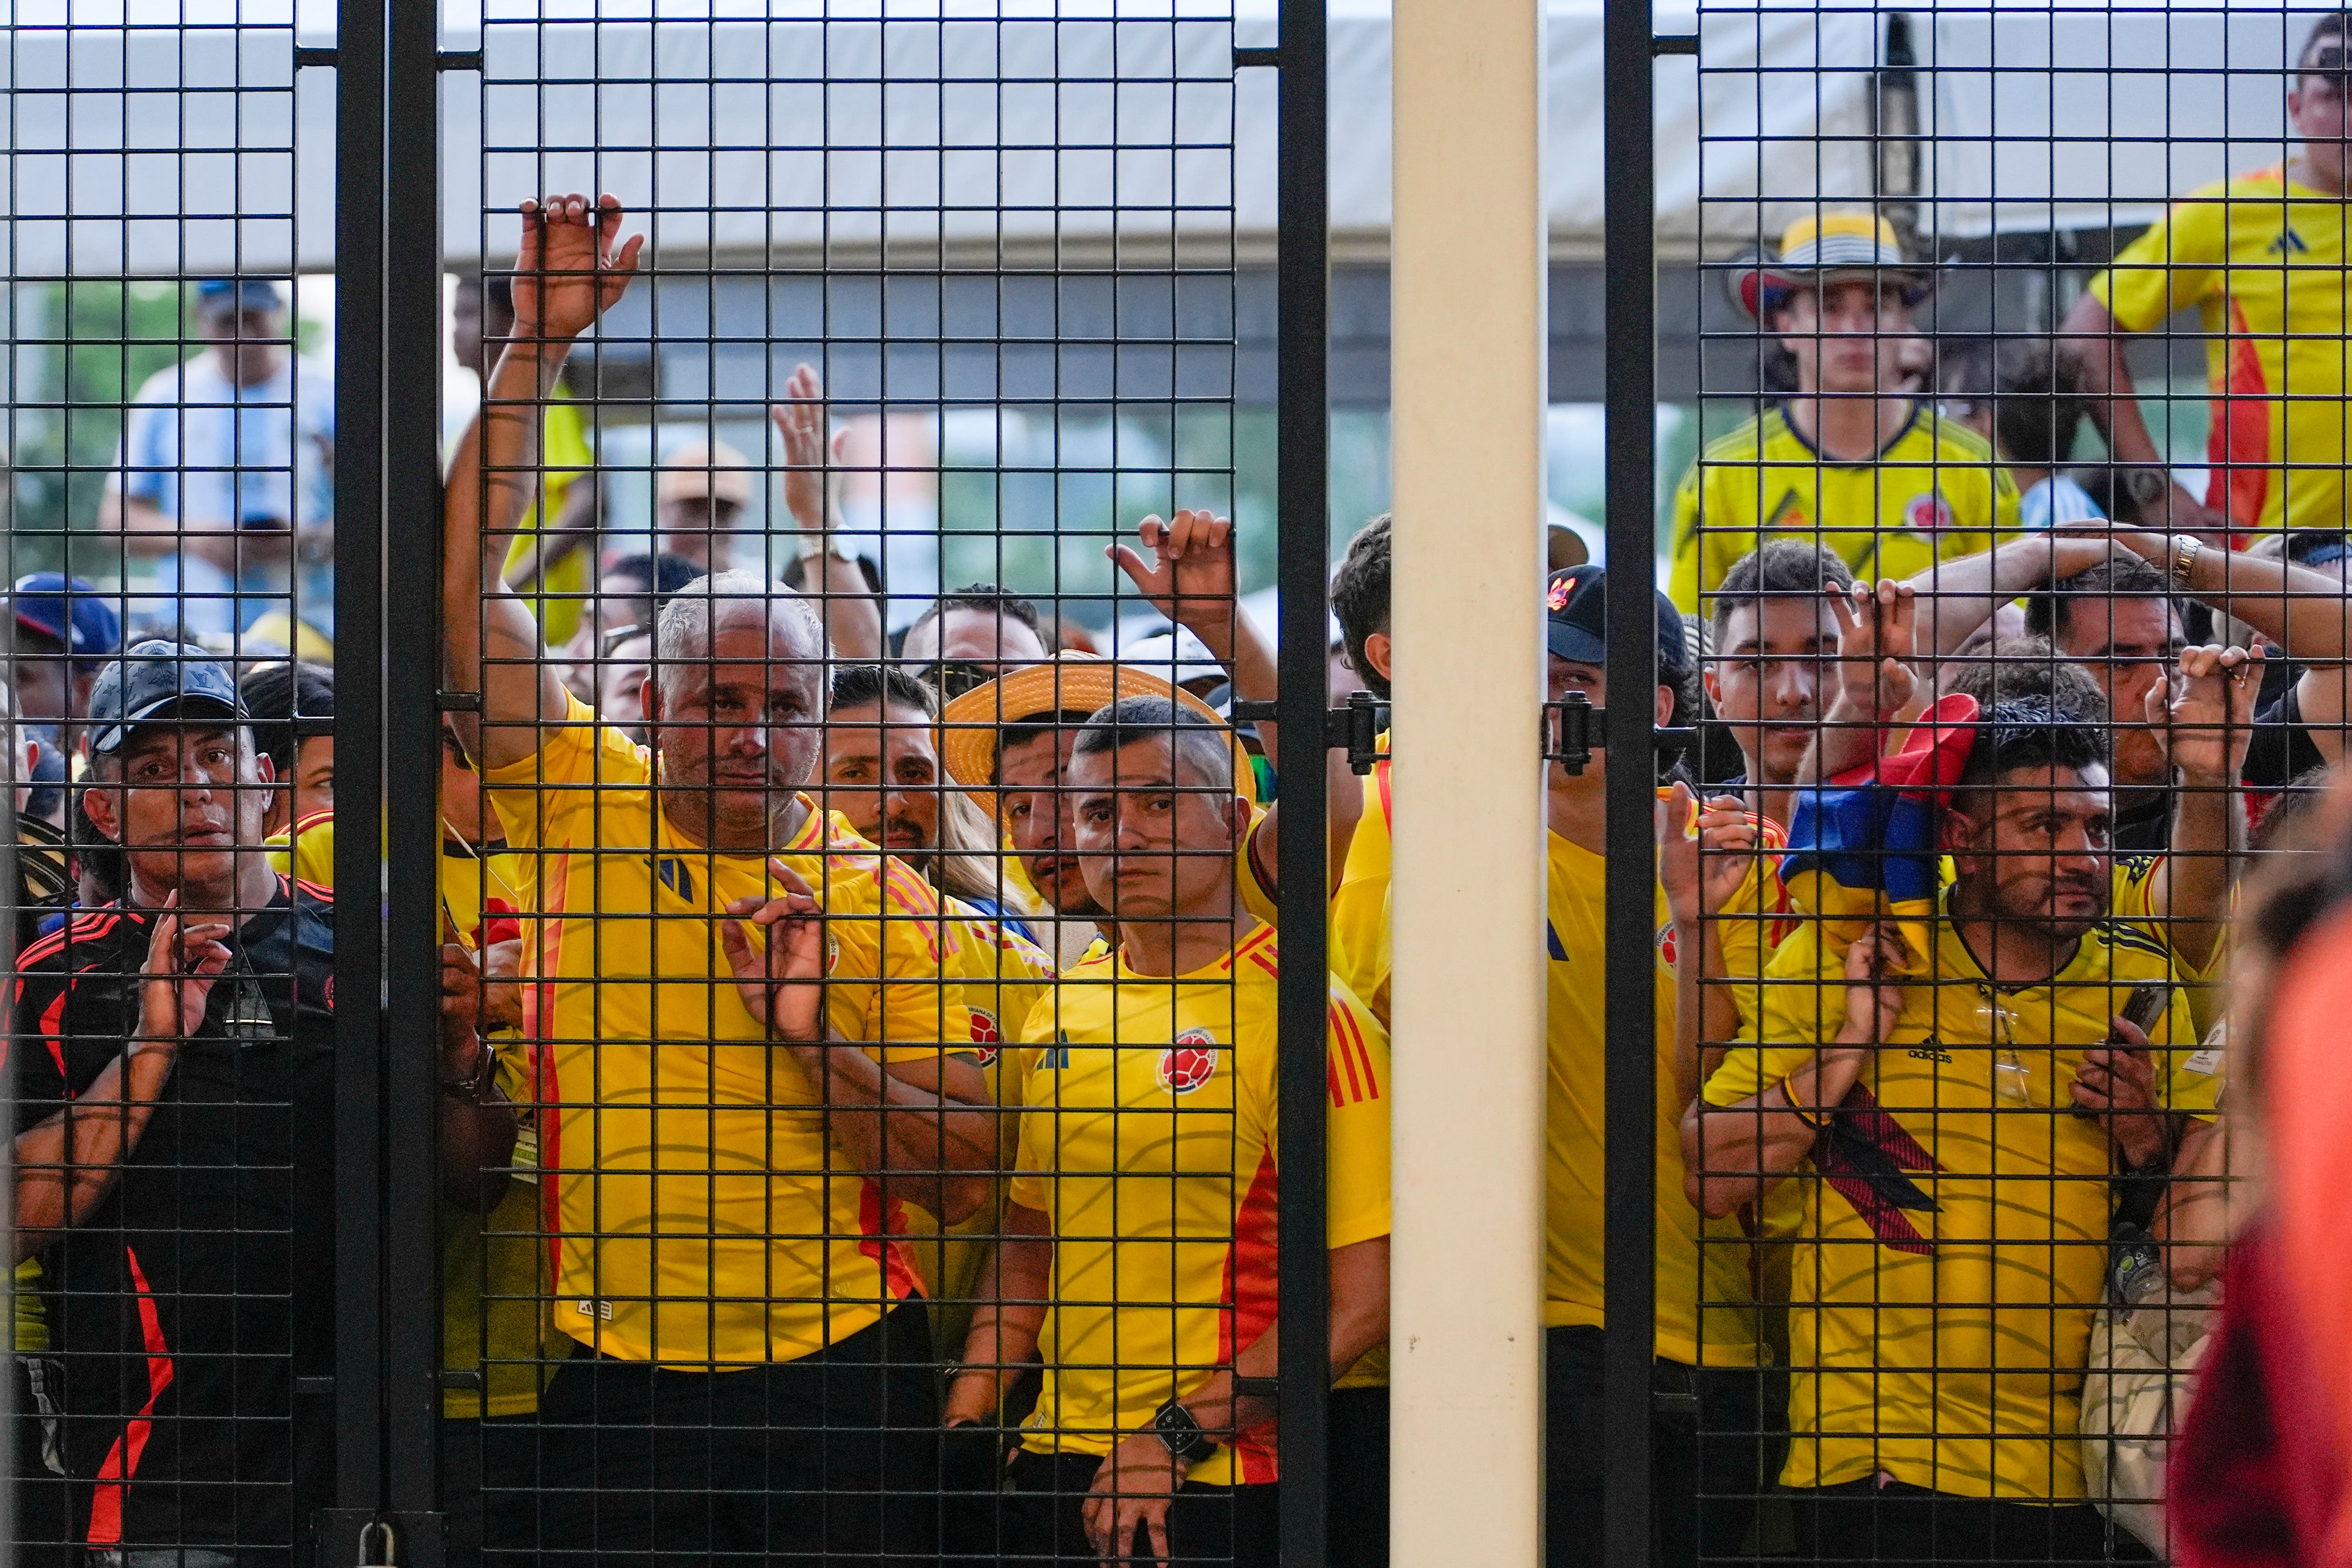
[(486, 1069), (1796, 1106)]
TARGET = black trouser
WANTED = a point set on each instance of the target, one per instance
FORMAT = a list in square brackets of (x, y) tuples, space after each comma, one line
[(490, 1501), (1897, 1525), (45, 1502), (1045, 1522), (832, 1458), (1358, 1532), (1707, 1442)]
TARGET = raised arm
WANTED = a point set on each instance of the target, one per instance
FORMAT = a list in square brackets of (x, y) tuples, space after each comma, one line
[(567, 272), (831, 575), (1957, 597), (2205, 722), (2307, 613), (1877, 628)]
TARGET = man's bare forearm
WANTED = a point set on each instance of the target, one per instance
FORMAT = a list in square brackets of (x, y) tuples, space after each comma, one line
[(923, 1138), (66, 1165)]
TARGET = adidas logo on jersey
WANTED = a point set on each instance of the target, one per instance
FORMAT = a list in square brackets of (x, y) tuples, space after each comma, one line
[(2288, 243), (1928, 1050)]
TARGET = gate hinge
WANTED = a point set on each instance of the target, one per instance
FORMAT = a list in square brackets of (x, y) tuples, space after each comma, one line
[(1572, 732), (1256, 1387), (314, 57), (1354, 728), (1674, 44), (457, 702), (458, 60), (1244, 59)]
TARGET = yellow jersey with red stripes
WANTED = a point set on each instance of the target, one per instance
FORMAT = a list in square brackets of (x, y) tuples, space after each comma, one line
[(696, 1208), (2262, 259), (1150, 1142), (1359, 928), (1706, 1304), (1004, 975), (1953, 1243)]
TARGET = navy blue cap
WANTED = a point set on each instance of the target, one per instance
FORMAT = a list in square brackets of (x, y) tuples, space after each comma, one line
[(1576, 623), (215, 294), (158, 680), (68, 610)]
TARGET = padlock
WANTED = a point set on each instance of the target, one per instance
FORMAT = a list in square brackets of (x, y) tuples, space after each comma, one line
[(379, 1547)]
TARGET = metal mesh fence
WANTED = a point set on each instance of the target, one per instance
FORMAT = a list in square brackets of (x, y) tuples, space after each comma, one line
[(814, 1063)]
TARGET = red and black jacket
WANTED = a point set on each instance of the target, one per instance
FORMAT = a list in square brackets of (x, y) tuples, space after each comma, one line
[(185, 1306)]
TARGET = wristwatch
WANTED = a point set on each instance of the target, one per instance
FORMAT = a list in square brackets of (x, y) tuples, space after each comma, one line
[(2186, 548), (1186, 1442)]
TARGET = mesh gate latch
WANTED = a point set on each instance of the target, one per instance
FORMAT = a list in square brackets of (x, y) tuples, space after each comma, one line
[(1354, 728), (1572, 732)]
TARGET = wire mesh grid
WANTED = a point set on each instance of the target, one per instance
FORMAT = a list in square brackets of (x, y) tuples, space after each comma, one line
[(2022, 360)]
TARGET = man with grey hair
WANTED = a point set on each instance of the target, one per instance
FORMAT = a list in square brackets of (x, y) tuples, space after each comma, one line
[(767, 979)]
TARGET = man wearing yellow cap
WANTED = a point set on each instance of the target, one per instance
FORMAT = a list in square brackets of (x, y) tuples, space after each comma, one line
[(2261, 257), (1849, 461)]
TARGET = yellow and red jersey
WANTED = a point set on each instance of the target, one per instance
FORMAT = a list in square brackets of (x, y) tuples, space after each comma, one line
[(2263, 261), (698, 1211), (1149, 1142)]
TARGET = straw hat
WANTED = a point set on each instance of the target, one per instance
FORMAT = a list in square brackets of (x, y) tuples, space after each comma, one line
[(1067, 683), (1816, 250)]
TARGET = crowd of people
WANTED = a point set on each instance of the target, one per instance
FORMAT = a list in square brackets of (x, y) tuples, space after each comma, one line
[(859, 1133)]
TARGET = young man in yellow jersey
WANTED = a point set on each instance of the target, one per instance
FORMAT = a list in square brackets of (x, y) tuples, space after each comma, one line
[(1008, 743), (1139, 1255), (1707, 1435), (1358, 930), (744, 1032), (1768, 669), (1953, 1097), (2261, 257), (1847, 461)]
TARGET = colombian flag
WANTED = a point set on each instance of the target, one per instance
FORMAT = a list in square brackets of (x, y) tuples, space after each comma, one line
[(1863, 846)]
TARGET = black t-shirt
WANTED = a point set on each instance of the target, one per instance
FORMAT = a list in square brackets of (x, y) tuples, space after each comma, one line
[(186, 1303), (2146, 827), (2282, 748)]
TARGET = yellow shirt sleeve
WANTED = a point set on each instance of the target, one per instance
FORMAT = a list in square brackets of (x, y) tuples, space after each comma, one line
[(1356, 1124), (564, 456), (2176, 264), (1252, 876), (534, 796), (918, 1010), (1682, 581), (1803, 1004)]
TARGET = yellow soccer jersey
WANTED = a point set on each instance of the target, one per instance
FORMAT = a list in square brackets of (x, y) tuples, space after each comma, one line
[(1149, 1142), (691, 1189), (1954, 1237), (1705, 1308), (1935, 493), (560, 597), (1359, 931), (469, 879), (1004, 976), (2263, 261)]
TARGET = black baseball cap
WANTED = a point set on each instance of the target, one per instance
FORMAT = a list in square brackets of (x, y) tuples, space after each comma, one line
[(154, 680), (1576, 623)]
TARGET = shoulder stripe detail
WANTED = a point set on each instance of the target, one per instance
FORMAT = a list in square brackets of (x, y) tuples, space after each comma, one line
[(81, 928)]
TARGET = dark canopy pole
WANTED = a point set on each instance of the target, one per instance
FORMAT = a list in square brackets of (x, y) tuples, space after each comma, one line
[(1304, 524), (1628, 1281)]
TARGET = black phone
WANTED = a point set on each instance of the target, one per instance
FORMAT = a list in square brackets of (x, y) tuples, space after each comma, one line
[(2146, 1004)]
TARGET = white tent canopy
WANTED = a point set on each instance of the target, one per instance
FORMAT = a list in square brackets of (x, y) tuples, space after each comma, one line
[(206, 152)]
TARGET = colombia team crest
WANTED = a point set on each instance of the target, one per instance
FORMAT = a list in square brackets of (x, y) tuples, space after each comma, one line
[(1190, 1062), (1927, 513), (985, 1035)]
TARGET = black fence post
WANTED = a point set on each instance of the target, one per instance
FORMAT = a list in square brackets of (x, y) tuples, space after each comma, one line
[(1629, 1283), (1304, 511), (359, 38), (412, 648)]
